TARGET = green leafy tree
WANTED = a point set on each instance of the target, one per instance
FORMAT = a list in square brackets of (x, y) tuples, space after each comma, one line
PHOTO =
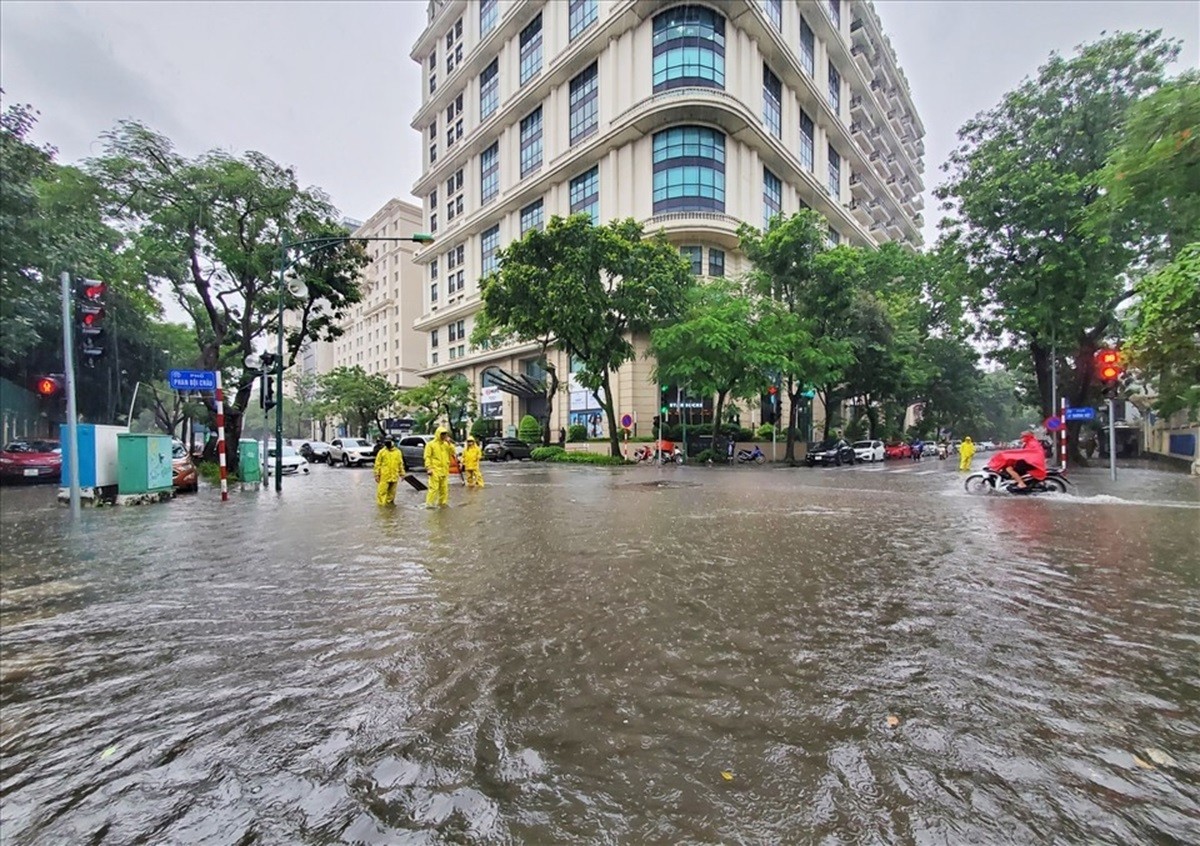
[(529, 429), (795, 283), (210, 227), (448, 397), (716, 347), (356, 397), (1153, 174), (1164, 340), (1020, 191), (590, 288)]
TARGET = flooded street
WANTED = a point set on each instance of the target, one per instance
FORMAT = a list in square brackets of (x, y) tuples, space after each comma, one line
[(855, 655)]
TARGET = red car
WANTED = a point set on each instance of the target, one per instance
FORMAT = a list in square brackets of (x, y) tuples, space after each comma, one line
[(897, 451), (32, 460)]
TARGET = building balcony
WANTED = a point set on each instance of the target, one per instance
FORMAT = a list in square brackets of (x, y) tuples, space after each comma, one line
[(861, 212)]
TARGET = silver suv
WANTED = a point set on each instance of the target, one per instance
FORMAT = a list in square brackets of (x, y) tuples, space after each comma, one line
[(351, 452)]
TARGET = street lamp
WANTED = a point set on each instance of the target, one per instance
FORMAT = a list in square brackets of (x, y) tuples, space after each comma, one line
[(297, 288)]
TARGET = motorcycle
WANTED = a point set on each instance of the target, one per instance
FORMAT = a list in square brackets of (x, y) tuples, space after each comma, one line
[(990, 481), (745, 456), (674, 456)]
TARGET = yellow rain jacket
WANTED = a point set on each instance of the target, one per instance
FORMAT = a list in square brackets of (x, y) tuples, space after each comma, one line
[(439, 455), (471, 456), (389, 465), (966, 451)]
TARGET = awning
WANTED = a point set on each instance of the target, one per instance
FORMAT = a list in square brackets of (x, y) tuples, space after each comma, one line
[(516, 384)]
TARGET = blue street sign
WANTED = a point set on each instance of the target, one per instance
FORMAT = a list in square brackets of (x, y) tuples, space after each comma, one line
[(1082, 413), (192, 380)]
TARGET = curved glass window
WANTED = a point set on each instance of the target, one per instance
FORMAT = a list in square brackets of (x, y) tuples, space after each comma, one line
[(689, 48), (689, 170)]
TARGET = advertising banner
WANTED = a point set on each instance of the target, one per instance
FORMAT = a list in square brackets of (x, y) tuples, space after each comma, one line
[(491, 404)]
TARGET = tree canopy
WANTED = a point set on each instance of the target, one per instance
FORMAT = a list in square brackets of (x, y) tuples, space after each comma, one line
[(590, 288)]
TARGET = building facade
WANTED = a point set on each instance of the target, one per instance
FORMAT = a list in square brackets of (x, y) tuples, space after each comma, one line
[(689, 117), (378, 334)]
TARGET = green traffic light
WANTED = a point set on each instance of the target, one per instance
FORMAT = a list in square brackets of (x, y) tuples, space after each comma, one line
[(422, 238), (664, 409)]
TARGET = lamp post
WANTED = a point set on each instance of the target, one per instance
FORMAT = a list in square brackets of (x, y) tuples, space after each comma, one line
[(296, 287)]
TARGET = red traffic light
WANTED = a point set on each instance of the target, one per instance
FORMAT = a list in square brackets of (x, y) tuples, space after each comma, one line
[(772, 390), (1110, 372), (47, 386), (91, 318), (91, 290), (1108, 365)]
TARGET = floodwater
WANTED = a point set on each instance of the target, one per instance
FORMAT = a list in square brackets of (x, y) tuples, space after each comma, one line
[(854, 655)]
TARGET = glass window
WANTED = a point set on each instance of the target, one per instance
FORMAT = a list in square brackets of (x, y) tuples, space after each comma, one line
[(489, 173), (774, 10), (433, 142), (488, 13), (835, 88), (433, 338), (808, 55), (585, 103), (689, 48), (531, 216), (582, 14), (835, 12), (585, 193), (695, 256), (835, 173), (689, 170), (716, 262), (489, 89), (772, 196), (433, 72), (835, 237), (489, 246), (531, 50), (531, 142), (806, 142), (772, 102)]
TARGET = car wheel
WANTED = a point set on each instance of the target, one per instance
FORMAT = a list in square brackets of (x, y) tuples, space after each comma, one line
[(345, 461), (508, 456)]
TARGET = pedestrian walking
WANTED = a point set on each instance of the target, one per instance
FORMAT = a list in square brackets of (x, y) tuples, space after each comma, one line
[(438, 455), (470, 461), (965, 453), (389, 468)]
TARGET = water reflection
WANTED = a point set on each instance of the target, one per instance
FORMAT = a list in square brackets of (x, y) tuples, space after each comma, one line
[(574, 655)]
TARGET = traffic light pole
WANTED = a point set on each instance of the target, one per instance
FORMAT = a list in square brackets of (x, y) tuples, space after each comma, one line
[(1112, 438), (72, 415)]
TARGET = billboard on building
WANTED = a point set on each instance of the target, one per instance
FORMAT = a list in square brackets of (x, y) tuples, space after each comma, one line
[(491, 404)]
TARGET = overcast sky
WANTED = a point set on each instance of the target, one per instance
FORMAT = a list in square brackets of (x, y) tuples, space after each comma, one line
[(329, 88)]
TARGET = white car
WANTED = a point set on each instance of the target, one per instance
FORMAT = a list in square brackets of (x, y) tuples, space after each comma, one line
[(351, 452), (868, 450), (292, 462)]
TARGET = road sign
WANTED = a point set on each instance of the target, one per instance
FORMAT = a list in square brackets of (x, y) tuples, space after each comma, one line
[(192, 380), (1082, 413), (1053, 424), (626, 421)]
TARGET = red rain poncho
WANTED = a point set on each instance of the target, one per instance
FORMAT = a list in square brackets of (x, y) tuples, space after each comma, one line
[(1030, 458)]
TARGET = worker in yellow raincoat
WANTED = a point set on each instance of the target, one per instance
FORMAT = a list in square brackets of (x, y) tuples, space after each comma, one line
[(439, 454), (389, 467), (471, 456), (966, 451)]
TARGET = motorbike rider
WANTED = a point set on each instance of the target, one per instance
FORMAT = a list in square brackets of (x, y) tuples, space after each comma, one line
[(1029, 460)]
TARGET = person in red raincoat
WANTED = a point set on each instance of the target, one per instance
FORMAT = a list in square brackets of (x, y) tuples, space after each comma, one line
[(1029, 459)]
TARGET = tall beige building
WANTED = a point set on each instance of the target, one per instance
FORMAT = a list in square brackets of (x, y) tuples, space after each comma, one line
[(689, 117), (379, 336)]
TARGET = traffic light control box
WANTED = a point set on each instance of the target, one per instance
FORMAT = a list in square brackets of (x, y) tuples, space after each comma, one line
[(144, 464), (98, 464)]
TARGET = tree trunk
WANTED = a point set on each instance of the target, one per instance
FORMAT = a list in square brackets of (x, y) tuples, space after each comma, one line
[(789, 453), (716, 431), (551, 391), (607, 405)]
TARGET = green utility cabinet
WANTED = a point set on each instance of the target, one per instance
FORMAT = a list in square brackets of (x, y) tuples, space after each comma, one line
[(249, 462), (144, 464)]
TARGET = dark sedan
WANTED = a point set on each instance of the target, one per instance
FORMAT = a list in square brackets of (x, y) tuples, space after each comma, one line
[(506, 449), (31, 460), (834, 452)]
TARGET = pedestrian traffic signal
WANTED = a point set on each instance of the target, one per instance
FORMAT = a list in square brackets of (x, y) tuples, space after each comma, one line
[(90, 311), (47, 386), (266, 391)]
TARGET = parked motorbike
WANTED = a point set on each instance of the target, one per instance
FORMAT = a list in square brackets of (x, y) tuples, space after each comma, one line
[(989, 481), (745, 456), (674, 456)]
